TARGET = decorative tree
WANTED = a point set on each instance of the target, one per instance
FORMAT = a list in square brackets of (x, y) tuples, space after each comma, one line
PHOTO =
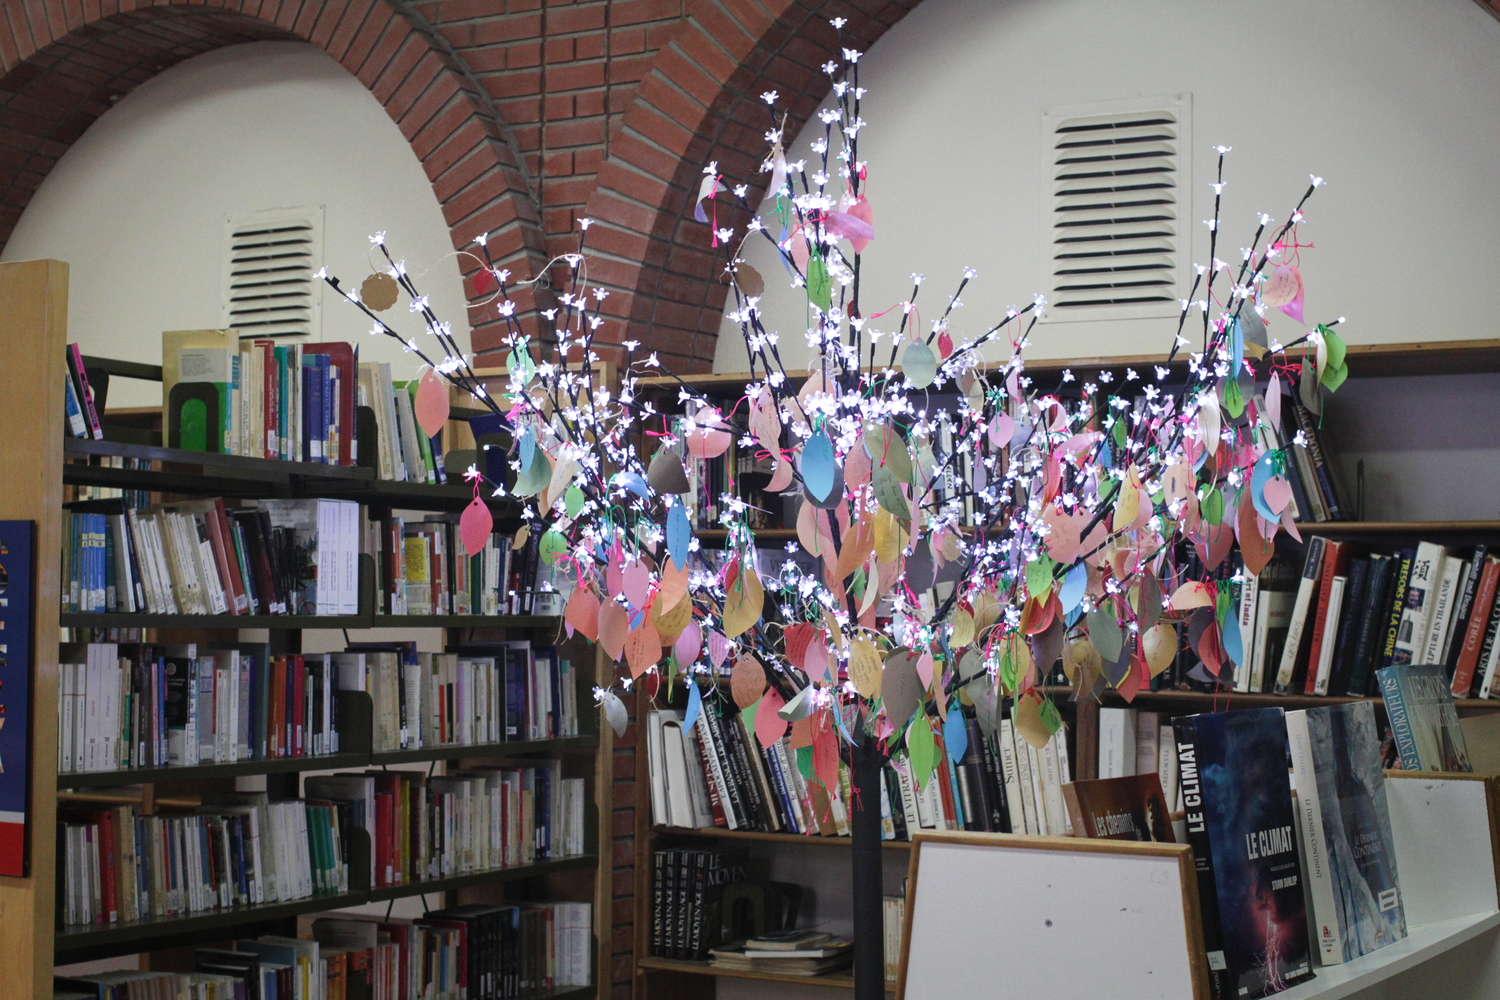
[(1005, 523)]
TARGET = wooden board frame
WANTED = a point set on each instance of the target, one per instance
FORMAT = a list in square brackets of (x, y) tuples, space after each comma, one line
[(1198, 957)]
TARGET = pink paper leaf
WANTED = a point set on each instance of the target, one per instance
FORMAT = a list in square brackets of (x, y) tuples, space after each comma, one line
[(769, 727), (431, 404), (475, 526)]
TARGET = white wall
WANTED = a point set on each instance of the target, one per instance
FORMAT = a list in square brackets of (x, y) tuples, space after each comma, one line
[(1391, 101), (137, 206)]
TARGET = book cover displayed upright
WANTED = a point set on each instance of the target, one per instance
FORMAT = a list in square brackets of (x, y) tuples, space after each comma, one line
[(1129, 808), (1419, 703), (1250, 823), (1360, 908)]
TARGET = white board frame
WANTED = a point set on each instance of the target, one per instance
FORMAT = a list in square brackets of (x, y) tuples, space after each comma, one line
[(1070, 893)]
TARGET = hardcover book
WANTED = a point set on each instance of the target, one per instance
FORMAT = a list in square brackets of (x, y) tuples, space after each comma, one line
[(1242, 765), (1346, 828), (1128, 808), (1419, 703)]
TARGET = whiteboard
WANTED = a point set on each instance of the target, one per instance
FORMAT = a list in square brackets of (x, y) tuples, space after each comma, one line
[(1445, 858), (1007, 917)]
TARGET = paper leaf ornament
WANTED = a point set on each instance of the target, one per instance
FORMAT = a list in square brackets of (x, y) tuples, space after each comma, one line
[(616, 713), (666, 474), (694, 705), (474, 527), (582, 613), (818, 466), (747, 680), (379, 291), (919, 365), (769, 726), (923, 750), (642, 649), (431, 404)]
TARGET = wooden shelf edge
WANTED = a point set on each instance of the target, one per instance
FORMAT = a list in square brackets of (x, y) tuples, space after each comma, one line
[(159, 775), (806, 840), (837, 980), (487, 876), (564, 744)]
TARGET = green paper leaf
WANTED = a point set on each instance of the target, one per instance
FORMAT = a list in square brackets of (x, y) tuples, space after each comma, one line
[(919, 365), (1118, 433), (888, 492), (1212, 506), (885, 446), (819, 285), (1334, 377), (1234, 398), (574, 500), (922, 750), (805, 762), (747, 716), (1039, 577), (1335, 347), (1008, 673), (553, 547), (1051, 717)]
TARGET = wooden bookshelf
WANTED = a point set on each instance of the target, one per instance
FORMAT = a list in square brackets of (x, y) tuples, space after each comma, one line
[(838, 980), (40, 460)]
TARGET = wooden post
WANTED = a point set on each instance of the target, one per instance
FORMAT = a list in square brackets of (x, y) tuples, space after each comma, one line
[(33, 337)]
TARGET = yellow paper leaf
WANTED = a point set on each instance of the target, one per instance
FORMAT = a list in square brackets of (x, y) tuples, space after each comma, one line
[(1028, 720), (890, 538), (1160, 646), (963, 629), (671, 621), (744, 600), (1193, 594), (865, 667)]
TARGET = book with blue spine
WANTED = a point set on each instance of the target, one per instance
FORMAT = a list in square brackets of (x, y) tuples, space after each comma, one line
[(1243, 769), (1419, 703)]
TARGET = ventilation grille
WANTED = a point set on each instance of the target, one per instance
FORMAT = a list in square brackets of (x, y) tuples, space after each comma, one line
[(270, 288), (1117, 202)]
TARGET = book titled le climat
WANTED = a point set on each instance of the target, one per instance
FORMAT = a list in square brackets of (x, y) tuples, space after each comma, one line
[(1241, 824), (1419, 702), (1345, 823)]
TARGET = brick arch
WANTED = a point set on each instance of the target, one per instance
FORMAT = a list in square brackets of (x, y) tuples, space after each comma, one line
[(63, 63), (700, 102)]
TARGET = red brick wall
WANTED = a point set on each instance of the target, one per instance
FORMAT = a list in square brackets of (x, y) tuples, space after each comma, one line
[(525, 115)]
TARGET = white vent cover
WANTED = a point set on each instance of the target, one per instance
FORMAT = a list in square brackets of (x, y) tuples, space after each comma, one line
[(1118, 199), (268, 284)]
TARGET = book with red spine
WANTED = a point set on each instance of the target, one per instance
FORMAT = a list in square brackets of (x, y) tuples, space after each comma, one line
[(104, 836), (1335, 563), (276, 721), (1479, 616), (84, 392)]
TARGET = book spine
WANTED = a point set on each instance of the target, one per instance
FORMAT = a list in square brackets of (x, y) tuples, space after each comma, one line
[(1196, 820), (1330, 571), (1310, 568), (1489, 653), (1371, 618), (1464, 609), (1475, 631), (1315, 858), (1398, 605), (1395, 710)]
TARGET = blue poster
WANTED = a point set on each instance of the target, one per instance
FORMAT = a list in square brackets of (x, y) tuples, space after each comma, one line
[(17, 573)]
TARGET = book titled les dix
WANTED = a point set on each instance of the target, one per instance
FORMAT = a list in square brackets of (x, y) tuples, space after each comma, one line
[(1241, 824)]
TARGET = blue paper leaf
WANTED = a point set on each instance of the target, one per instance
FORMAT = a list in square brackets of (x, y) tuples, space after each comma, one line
[(955, 734), (526, 446), (633, 482), (1234, 643), (1259, 476), (694, 706), (679, 534), (818, 466), (1073, 586)]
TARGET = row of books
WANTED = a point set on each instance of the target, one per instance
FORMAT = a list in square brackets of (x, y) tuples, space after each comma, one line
[(1135, 741), (298, 557), (135, 705), (119, 865), (1354, 613), (460, 953), (423, 571), (893, 918), (143, 705), (716, 773), (687, 889), (424, 827), (505, 692), (293, 557)]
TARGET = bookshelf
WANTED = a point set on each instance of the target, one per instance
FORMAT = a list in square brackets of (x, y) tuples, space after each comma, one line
[(40, 460), (680, 978)]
